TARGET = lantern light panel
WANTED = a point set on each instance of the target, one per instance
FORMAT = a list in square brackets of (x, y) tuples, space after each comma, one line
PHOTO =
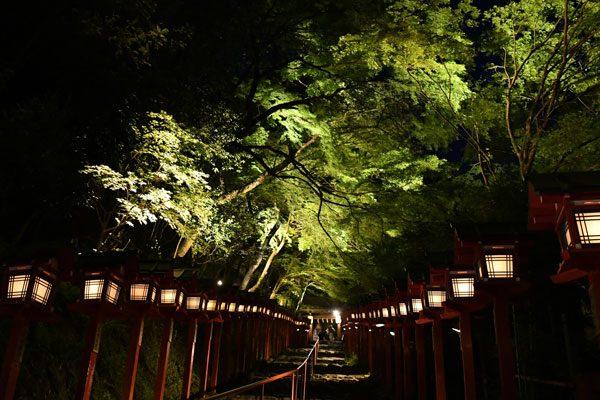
[(93, 289), (499, 265), (417, 305), (588, 226), (17, 286), (41, 290), (232, 307), (211, 305), (20, 279), (385, 312), (139, 292), (393, 311), (436, 297), (463, 287), (112, 292), (403, 309), (193, 302)]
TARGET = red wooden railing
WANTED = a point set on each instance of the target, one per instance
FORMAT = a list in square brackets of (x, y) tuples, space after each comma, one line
[(300, 376)]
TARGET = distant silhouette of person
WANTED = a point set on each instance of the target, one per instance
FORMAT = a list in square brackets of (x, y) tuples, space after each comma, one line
[(322, 335)]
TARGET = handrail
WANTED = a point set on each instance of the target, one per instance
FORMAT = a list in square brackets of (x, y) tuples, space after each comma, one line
[(294, 373)]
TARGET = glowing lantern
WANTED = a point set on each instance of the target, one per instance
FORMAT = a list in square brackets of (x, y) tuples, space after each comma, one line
[(171, 295), (416, 305), (101, 287), (462, 284), (32, 283), (497, 262), (435, 296), (142, 291), (403, 309)]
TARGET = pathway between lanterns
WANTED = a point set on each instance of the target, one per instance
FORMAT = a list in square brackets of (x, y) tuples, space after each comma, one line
[(333, 377)]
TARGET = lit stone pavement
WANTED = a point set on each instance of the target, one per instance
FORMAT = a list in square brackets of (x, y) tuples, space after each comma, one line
[(332, 379)]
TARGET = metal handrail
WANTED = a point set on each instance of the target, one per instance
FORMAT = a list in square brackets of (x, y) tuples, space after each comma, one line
[(294, 373)]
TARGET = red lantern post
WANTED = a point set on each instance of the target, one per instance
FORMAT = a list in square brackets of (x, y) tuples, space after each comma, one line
[(26, 294), (141, 293), (497, 258), (100, 299), (465, 300), (569, 204), (171, 297), (195, 310)]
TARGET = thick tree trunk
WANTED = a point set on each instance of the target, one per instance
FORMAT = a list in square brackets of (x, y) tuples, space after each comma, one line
[(184, 245)]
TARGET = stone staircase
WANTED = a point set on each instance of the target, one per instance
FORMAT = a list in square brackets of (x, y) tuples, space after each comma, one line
[(333, 377)]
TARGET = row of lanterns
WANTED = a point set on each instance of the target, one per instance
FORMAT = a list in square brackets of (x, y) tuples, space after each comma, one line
[(28, 289), (34, 284), (494, 263), (487, 269)]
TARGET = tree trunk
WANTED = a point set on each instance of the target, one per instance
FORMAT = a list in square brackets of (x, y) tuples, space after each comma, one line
[(301, 299), (277, 286), (258, 260), (184, 245), (271, 258)]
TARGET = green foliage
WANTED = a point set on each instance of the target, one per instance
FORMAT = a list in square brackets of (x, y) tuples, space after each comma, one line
[(160, 180), (370, 126), (351, 359)]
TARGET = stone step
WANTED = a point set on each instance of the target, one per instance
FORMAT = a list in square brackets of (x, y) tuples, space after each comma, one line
[(332, 378)]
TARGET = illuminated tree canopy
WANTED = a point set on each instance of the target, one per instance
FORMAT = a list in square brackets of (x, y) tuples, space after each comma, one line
[(288, 147)]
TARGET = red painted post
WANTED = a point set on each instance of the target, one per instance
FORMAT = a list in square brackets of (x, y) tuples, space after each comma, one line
[(438, 358), (188, 367), (408, 360), (379, 355), (362, 346), (216, 354), (88, 364), (163, 359), (205, 358), (225, 359), (13, 357), (506, 357), (241, 348), (245, 347), (135, 343), (466, 346), (370, 349), (594, 294), (253, 338), (268, 328), (398, 364), (421, 363), (388, 358)]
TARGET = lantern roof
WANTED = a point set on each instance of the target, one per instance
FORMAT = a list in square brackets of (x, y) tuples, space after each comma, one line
[(469, 237), (438, 276), (548, 192)]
